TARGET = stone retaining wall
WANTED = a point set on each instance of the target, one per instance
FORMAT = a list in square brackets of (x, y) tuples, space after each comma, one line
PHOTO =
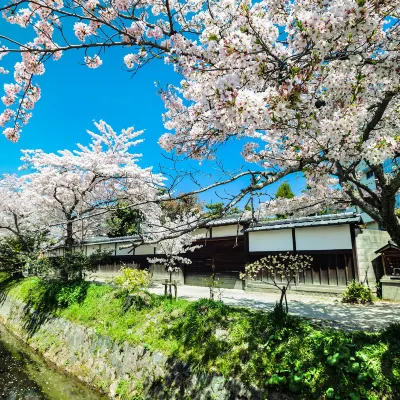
[(121, 370)]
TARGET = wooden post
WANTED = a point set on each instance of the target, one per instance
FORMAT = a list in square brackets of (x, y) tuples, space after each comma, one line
[(246, 247), (353, 246), (345, 269), (294, 240), (384, 263), (297, 277)]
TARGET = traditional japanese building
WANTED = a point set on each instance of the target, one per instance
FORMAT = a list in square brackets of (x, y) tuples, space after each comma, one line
[(341, 251)]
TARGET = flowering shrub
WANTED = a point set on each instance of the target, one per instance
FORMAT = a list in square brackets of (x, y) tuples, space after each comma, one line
[(133, 280), (357, 293), (285, 267)]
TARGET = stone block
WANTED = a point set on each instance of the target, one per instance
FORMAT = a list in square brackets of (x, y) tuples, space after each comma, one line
[(390, 288)]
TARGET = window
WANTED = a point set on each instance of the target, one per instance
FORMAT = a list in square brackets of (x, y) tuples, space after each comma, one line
[(370, 174)]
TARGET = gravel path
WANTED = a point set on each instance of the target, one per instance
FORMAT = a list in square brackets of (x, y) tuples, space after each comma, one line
[(330, 309)]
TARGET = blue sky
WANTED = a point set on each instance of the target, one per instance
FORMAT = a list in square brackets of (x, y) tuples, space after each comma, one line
[(73, 96)]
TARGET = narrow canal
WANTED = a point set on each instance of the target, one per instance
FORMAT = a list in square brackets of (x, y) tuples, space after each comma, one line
[(26, 376)]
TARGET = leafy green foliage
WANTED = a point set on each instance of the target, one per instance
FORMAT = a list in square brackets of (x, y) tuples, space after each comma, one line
[(124, 221), (357, 293), (284, 191), (51, 295), (18, 253), (176, 207), (70, 293), (76, 265), (295, 356), (133, 280), (216, 210), (4, 276)]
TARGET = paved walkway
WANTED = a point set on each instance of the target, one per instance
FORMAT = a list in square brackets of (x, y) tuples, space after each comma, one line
[(369, 317)]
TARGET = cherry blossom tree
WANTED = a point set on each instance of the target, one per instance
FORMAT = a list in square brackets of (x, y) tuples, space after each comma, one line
[(18, 216), (23, 233), (72, 190), (310, 85)]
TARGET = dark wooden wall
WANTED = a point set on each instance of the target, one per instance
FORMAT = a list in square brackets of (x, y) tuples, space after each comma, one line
[(331, 268), (223, 256)]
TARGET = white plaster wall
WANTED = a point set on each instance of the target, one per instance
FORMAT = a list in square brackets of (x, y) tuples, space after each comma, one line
[(145, 249), (323, 238), (108, 247), (228, 230), (201, 233), (79, 249), (277, 240), (92, 249)]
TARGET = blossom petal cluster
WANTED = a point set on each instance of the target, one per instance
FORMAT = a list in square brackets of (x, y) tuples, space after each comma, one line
[(307, 86)]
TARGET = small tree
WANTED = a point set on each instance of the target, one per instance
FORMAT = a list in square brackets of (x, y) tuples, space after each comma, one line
[(282, 269), (284, 191), (214, 284), (216, 210), (172, 250)]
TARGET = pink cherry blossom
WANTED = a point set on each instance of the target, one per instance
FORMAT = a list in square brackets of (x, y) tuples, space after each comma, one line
[(306, 86), (82, 31), (93, 62)]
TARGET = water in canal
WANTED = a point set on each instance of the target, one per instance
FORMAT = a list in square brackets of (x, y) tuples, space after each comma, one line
[(26, 376)]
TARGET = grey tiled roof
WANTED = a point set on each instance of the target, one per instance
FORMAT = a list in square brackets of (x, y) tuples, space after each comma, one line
[(390, 245), (316, 220), (106, 239), (228, 219)]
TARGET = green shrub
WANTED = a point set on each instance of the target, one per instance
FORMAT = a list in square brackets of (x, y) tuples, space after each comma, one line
[(71, 292), (138, 301), (357, 293), (133, 280), (77, 265)]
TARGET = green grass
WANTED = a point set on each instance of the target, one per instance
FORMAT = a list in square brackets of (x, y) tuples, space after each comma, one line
[(295, 356), (4, 276)]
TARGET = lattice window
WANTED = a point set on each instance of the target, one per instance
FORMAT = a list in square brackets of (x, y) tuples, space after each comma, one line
[(392, 265)]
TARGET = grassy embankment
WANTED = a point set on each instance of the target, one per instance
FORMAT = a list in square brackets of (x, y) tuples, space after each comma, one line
[(295, 357)]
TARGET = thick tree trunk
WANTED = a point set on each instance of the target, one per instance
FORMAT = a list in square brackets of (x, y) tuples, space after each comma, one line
[(390, 222), (69, 240), (69, 243)]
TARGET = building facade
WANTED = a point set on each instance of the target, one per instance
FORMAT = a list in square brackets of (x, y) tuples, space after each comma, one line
[(340, 249)]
